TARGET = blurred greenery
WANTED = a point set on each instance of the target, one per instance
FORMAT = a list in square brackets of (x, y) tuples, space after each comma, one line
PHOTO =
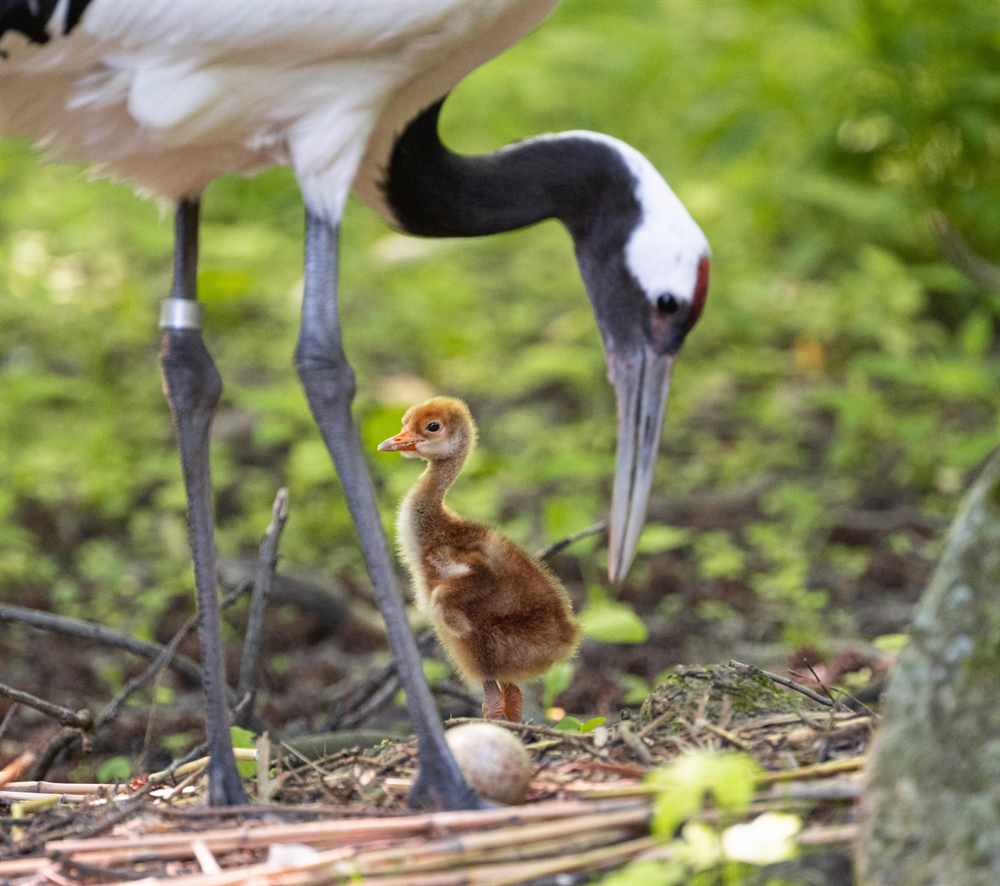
[(703, 854), (842, 361)]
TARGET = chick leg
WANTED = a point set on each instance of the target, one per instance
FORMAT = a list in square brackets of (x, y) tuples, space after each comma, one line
[(493, 706), (513, 701)]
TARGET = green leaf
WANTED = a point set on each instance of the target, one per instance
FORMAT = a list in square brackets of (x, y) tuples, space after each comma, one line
[(558, 678), (719, 557), (612, 622), (569, 724), (683, 785), (649, 872), (244, 738), (891, 643), (657, 538), (701, 847), (117, 769), (434, 670), (636, 689)]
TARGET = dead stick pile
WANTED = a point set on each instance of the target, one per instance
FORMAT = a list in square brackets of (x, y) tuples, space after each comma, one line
[(548, 837), (493, 847)]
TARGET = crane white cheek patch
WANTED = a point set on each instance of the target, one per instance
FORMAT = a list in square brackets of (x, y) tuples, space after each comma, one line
[(665, 248), (667, 245)]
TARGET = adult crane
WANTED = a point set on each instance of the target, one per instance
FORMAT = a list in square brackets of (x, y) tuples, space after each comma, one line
[(347, 93)]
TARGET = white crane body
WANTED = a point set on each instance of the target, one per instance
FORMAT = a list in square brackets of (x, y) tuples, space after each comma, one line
[(170, 95)]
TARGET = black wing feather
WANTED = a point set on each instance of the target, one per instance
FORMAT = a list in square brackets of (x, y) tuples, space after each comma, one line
[(31, 17)]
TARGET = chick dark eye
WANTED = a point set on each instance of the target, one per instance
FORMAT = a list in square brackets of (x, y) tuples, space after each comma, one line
[(433, 426), (667, 304)]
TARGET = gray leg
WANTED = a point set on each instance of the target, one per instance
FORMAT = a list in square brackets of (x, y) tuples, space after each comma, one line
[(192, 385), (328, 381)]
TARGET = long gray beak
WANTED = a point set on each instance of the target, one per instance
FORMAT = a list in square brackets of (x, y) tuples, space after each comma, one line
[(642, 383)]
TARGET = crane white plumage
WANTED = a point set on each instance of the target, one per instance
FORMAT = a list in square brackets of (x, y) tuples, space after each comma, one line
[(347, 93), (171, 95)]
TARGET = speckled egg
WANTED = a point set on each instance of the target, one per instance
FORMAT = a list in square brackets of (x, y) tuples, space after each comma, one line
[(494, 762)]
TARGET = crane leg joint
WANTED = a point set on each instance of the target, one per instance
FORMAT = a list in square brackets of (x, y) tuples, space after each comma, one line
[(327, 377)]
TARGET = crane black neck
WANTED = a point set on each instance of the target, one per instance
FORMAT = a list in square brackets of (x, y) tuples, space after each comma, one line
[(583, 181)]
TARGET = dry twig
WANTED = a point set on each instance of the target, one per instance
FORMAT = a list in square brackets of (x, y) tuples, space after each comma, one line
[(634, 742), (77, 719), (734, 740), (562, 544), (783, 681), (112, 709), (345, 712), (263, 581), (75, 627), (7, 718), (124, 850)]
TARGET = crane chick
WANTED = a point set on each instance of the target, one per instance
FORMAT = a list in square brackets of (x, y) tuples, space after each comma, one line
[(500, 615)]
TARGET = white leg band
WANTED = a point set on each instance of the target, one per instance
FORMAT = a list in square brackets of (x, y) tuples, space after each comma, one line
[(181, 313)]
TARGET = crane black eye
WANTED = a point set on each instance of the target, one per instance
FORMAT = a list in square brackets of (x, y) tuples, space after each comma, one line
[(667, 304), (433, 426)]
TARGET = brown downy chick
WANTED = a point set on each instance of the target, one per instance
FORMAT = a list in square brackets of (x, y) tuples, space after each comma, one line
[(500, 615)]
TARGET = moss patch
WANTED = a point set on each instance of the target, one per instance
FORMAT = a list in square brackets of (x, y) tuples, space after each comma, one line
[(715, 690)]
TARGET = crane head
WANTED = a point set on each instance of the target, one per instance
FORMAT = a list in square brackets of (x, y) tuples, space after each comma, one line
[(645, 264)]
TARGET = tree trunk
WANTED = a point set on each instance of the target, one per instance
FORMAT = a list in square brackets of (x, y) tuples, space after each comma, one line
[(931, 813)]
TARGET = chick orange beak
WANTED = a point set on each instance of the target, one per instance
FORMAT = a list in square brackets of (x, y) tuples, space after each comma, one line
[(404, 441)]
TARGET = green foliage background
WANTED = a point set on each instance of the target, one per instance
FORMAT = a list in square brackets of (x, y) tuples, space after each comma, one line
[(841, 360)]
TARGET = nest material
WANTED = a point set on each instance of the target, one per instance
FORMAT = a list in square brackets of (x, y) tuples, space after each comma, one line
[(588, 808)]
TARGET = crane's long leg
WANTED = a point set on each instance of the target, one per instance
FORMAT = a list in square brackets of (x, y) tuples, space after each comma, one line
[(329, 385), (193, 385)]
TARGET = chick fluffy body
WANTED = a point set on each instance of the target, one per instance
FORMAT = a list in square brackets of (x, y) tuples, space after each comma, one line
[(499, 613)]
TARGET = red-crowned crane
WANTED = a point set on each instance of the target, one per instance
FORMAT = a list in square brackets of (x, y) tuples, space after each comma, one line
[(347, 93)]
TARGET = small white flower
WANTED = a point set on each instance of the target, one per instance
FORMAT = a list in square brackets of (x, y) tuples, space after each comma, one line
[(768, 838)]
